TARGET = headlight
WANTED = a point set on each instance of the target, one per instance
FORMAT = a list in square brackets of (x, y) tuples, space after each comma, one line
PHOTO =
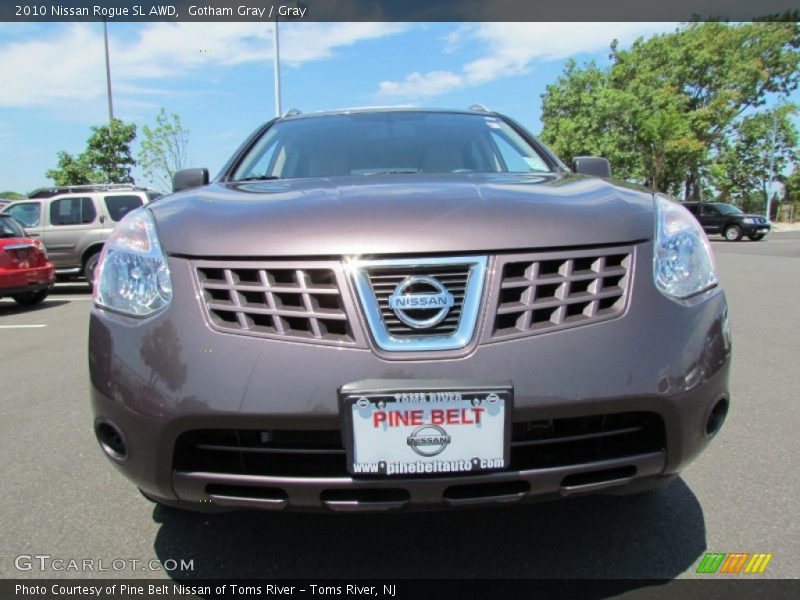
[(133, 277), (683, 264), (749, 220)]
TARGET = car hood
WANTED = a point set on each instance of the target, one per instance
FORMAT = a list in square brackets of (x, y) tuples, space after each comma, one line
[(401, 214)]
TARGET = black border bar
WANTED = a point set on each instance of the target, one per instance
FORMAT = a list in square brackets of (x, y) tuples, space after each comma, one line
[(711, 588), (397, 10)]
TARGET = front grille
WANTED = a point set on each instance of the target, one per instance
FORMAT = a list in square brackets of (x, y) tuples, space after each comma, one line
[(320, 453), (289, 453), (560, 442), (384, 280), (275, 300), (544, 292)]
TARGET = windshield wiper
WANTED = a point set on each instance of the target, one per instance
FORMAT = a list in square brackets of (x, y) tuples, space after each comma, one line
[(386, 171), (256, 178)]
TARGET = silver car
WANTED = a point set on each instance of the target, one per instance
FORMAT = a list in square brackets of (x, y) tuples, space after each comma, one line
[(73, 222)]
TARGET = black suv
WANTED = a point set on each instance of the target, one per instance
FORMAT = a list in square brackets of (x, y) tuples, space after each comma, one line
[(728, 220)]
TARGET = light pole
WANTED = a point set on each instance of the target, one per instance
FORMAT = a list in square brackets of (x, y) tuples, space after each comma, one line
[(276, 68), (276, 52), (108, 68), (108, 75)]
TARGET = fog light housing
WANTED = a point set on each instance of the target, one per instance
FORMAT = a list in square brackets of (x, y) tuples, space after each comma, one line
[(111, 441), (717, 417)]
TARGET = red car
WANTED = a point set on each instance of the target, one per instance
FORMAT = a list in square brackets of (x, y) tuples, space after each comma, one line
[(25, 272)]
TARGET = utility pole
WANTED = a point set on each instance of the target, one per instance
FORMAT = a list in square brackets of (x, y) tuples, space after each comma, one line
[(108, 75), (108, 69), (276, 68), (772, 162)]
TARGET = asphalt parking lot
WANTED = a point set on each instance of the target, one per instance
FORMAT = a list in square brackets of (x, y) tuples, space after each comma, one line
[(61, 498)]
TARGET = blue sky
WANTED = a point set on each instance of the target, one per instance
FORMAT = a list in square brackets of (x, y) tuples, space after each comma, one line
[(218, 76)]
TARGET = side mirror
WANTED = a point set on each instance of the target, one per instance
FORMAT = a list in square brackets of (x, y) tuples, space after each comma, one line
[(592, 165), (189, 178)]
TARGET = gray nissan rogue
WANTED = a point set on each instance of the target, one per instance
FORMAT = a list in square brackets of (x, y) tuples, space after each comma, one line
[(404, 308)]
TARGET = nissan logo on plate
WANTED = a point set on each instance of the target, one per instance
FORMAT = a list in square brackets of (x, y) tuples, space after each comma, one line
[(423, 297), (428, 440)]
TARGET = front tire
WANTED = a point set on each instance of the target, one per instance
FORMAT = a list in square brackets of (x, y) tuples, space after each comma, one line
[(89, 268), (733, 233), (31, 298)]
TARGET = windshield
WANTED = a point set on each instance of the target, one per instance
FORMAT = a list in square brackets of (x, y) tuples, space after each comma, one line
[(389, 143), (9, 228), (727, 209)]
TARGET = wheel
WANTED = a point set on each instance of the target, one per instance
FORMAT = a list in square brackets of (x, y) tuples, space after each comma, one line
[(733, 233), (756, 237), (90, 267), (30, 298)]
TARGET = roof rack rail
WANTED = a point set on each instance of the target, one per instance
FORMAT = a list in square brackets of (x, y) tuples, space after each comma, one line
[(91, 187), (478, 108), (292, 112)]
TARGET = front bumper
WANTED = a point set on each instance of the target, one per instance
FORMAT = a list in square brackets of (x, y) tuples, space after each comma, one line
[(756, 229), (171, 374)]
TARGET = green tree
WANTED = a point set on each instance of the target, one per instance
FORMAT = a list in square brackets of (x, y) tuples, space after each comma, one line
[(107, 158), (791, 186), (664, 106), (791, 190), (718, 71), (743, 164), (164, 149), (581, 117), (71, 170), (11, 195)]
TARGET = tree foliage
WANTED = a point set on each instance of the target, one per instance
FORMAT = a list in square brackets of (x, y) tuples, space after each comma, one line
[(71, 170), (107, 158), (743, 163), (164, 149), (663, 109), (791, 186)]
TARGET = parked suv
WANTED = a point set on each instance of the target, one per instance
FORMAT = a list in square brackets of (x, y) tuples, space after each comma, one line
[(728, 220), (398, 308), (73, 222)]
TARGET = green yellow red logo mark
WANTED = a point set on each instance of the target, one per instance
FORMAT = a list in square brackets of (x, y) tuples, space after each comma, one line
[(734, 562)]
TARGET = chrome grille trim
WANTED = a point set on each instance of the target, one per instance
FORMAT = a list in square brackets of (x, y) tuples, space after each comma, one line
[(285, 300), (388, 332), (547, 291), (455, 280)]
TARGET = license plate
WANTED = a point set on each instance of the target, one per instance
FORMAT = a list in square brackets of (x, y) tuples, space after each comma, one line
[(429, 428), (763, 231)]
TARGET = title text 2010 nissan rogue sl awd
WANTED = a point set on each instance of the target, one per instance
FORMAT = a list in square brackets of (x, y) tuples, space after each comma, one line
[(380, 309)]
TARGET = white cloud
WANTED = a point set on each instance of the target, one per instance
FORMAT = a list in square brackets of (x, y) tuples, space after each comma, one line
[(509, 49), (67, 65), (421, 85)]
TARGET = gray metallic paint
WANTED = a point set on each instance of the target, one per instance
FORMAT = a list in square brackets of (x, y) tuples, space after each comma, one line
[(157, 377), (668, 357), (401, 214)]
